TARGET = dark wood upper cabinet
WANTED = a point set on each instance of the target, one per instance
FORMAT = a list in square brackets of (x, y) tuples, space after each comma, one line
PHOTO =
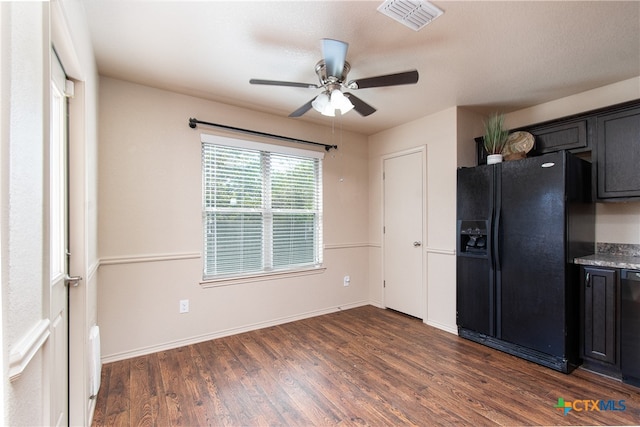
[(608, 137), (617, 154), (572, 135)]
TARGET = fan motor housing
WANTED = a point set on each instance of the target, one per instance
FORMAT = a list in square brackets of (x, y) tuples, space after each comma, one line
[(321, 71)]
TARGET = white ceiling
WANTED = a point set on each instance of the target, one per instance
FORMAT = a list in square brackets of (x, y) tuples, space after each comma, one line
[(488, 56)]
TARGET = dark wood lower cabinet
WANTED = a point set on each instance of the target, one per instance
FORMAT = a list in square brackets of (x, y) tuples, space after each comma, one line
[(601, 320)]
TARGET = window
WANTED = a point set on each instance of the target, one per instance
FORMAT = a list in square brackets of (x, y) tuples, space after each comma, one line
[(262, 207)]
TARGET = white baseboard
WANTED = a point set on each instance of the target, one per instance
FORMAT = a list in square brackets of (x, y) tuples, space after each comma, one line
[(228, 332), (442, 326)]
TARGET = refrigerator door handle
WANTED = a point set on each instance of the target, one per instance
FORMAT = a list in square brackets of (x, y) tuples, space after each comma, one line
[(496, 241), (490, 243)]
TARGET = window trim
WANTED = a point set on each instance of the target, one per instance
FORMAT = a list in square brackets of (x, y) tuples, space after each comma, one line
[(225, 280), (263, 276)]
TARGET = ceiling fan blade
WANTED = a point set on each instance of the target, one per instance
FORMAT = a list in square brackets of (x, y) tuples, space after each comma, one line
[(300, 111), (334, 53), (281, 83), (359, 105), (406, 78)]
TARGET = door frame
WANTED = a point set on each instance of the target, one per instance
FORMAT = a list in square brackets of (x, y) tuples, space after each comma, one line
[(80, 405), (57, 173), (422, 150)]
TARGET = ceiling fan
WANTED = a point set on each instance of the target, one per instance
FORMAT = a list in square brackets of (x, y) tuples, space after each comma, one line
[(332, 72)]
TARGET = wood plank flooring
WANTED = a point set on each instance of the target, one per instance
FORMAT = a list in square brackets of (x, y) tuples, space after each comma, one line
[(364, 366)]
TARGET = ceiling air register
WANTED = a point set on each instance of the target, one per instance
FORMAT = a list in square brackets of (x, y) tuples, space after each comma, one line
[(415, 14)]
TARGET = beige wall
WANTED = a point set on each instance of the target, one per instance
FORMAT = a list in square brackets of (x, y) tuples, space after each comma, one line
[(439, 134), (24, 270), (618, 222), (150, 225), (626, 90)]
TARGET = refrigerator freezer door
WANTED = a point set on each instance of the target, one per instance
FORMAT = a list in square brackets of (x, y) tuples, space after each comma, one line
[(475, 290), (532, 276)]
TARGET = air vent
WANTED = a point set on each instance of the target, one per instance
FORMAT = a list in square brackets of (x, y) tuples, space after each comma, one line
[(415, 14)]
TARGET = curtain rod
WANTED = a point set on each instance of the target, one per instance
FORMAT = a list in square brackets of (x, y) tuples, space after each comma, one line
[(194, 122)]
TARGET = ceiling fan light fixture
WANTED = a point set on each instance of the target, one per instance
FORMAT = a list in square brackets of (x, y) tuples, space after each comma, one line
[(322, 104), (329, 111), (327, 103), (340, 102)]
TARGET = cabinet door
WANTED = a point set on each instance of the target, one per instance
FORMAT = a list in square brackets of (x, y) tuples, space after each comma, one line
[(600, 296), (618, 154), (572, 135)]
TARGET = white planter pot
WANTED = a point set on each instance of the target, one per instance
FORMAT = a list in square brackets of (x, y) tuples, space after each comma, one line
[(494, 158)]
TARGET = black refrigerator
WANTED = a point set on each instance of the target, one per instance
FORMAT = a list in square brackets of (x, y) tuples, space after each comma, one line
[(520, 224)]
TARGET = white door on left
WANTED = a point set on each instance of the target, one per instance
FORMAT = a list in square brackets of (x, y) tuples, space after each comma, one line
[(58, 236)]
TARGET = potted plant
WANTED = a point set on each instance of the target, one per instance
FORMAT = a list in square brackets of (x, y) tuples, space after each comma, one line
[(495, 138)]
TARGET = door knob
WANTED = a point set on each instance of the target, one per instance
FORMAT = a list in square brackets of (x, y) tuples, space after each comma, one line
[(72, 281), (417, 244)]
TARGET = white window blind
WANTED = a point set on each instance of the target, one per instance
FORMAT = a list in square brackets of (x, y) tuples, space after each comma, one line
[(262, 207)]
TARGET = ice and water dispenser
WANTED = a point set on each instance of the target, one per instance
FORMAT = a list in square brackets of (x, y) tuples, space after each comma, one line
[(472, 237)]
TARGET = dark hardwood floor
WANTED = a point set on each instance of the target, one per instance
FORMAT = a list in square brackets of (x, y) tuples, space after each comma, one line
[(364, 366)]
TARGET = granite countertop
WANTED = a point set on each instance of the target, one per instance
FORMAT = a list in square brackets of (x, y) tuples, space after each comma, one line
[(613, 255)]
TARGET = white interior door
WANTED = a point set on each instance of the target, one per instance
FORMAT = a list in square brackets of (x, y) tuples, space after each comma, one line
[(403, 233), (58, 213)]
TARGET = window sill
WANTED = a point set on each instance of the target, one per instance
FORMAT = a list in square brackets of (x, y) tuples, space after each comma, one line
[(228, 281)]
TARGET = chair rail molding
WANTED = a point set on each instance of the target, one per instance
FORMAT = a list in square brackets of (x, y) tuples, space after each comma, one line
[(23, 351), (132, 259)]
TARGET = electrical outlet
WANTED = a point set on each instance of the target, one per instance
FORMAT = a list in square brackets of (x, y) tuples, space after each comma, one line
[(184, 306), (347, 281)]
